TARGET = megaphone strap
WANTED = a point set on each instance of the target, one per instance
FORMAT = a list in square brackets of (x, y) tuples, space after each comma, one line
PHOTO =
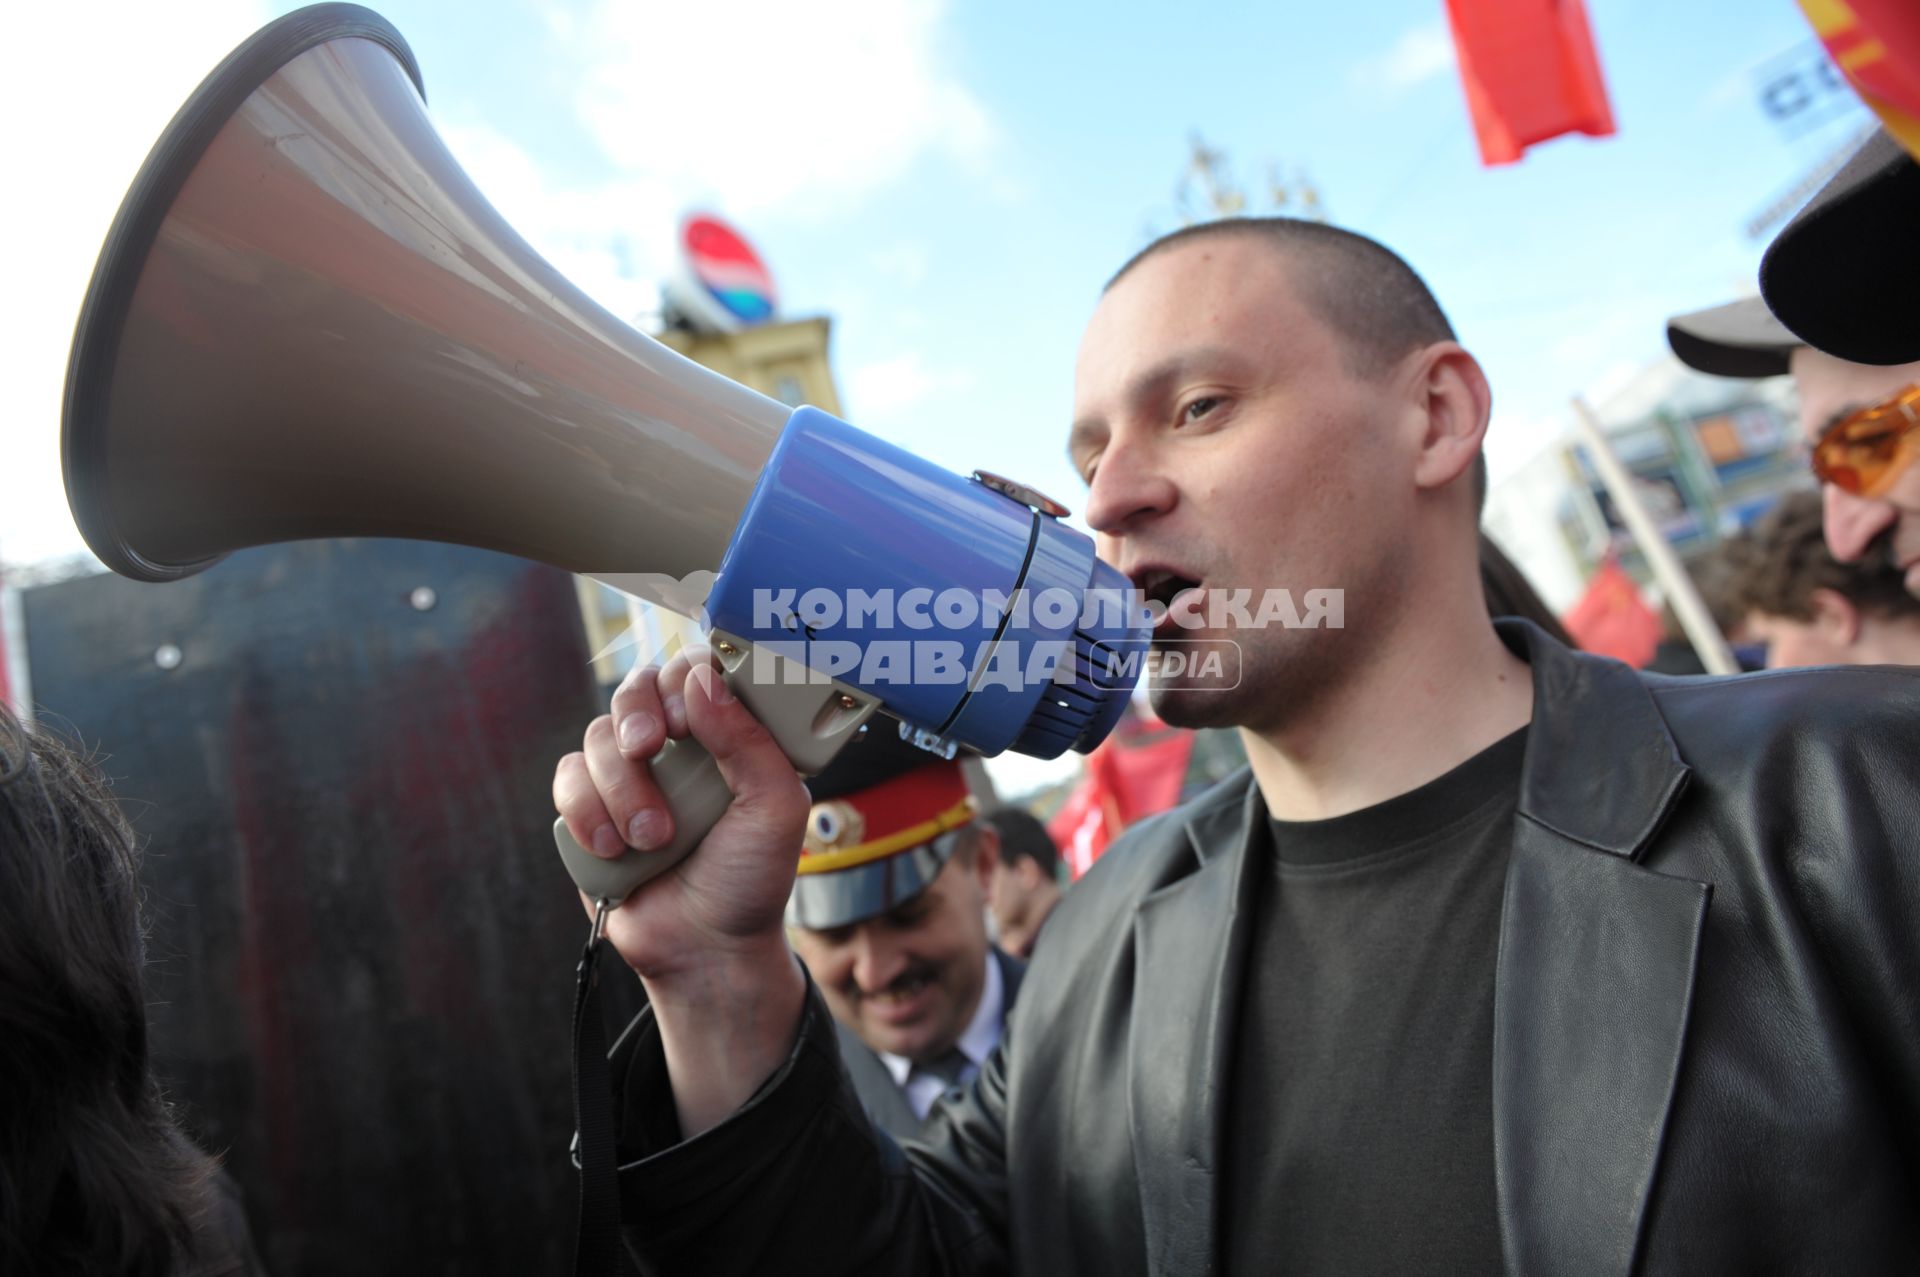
[(597, 1240)]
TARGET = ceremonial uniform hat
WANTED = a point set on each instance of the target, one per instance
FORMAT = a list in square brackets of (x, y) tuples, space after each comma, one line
[(884, 823)]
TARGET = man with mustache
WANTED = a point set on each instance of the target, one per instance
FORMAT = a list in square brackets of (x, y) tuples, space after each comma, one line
[(1498, 957), (889, 913)]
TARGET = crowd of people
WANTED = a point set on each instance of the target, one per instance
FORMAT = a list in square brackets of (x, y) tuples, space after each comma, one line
[(1496, 956)]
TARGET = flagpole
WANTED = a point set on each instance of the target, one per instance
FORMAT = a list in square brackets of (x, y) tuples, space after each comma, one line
[(16, 687), (1701, 631)]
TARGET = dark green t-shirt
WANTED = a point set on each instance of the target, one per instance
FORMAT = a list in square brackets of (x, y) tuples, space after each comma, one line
[(1360, 1133)]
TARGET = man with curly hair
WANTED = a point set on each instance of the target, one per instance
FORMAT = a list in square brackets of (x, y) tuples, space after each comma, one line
[(1807, 606)]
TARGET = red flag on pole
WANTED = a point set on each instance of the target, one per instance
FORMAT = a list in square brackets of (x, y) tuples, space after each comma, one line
[(1612, 619), (1877, 44), (1530, 72), (1089, 819), (1127, 780)]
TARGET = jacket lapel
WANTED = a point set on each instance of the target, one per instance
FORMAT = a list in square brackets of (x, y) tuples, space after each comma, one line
[(885, 1103), (1189, 945), (1595, 972), (1012, 972)]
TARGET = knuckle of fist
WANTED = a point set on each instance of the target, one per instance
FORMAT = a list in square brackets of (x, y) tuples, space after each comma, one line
[(600, 729), (750, 733), (634, 692), (621, 794), (787, 801)]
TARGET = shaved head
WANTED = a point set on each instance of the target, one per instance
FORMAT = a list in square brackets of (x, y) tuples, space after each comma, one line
[(1376, 304)]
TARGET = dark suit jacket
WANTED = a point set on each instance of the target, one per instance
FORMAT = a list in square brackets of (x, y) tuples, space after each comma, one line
[(885, 1102), (1706, 1025)]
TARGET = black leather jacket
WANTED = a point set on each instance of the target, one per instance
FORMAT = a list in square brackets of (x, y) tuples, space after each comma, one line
[(1706, 1026)]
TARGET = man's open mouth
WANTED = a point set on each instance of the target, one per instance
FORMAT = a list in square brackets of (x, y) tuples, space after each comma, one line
[(1165, 587)]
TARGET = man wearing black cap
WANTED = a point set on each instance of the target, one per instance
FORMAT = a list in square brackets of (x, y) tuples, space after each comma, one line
[(1843, 276), (1850, 413), (889, 913)]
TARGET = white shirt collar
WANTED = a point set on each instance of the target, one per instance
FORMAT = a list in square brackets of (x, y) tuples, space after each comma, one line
[(983, 1031)]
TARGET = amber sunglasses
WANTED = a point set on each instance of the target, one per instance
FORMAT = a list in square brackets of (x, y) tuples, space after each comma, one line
[(1865, 451)]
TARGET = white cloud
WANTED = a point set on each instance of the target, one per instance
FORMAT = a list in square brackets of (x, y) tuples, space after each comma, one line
[(1727, 90), (905, 264), (1604, 331), (879, 390), (1420, 54), (1621, 377), (76, 146), (807, 118), (815, 111), (614, 238), (1016, 775)]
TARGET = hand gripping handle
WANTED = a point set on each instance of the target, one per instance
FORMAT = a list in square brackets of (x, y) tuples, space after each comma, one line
[(811, 718)]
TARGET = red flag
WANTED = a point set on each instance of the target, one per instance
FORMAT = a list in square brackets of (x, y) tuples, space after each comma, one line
[(1088, 820), (1612, 619), (1126, 781), (1877, 44), (1530, 73)]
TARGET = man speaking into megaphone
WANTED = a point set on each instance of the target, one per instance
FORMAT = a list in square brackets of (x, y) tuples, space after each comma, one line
[(1496, 956), (1499, 957)]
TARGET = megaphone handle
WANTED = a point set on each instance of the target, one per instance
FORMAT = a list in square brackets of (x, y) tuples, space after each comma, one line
[(811, 717), (697, 796)]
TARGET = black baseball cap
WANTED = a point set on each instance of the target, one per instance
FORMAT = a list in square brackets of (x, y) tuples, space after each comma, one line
[(1739, 339), (1845, 272)]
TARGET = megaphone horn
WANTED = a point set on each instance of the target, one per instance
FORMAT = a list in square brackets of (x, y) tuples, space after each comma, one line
[(306, 322)]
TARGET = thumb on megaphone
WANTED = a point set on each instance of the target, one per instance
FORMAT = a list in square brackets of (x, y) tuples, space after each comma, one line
[(734, 893)]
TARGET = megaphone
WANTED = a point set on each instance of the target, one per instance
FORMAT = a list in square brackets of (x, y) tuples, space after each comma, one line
[(307, 322)]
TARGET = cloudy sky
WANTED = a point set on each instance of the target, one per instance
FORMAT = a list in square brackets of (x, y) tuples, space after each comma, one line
[(952, 182)]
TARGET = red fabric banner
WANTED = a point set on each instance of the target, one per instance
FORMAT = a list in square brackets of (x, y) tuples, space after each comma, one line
[(1612, 619), (1876, 43), (1530, 72), (1125, 782)]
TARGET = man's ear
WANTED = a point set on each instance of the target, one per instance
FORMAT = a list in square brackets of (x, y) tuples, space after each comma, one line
[(986, 854), (1451, 393), (1835, 615)]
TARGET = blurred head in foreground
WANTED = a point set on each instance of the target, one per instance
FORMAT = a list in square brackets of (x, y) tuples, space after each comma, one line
[(1810, 608), (1026, 879), (95, 1177)]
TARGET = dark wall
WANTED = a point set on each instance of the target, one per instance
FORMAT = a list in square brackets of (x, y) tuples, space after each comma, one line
[(363, 942)]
